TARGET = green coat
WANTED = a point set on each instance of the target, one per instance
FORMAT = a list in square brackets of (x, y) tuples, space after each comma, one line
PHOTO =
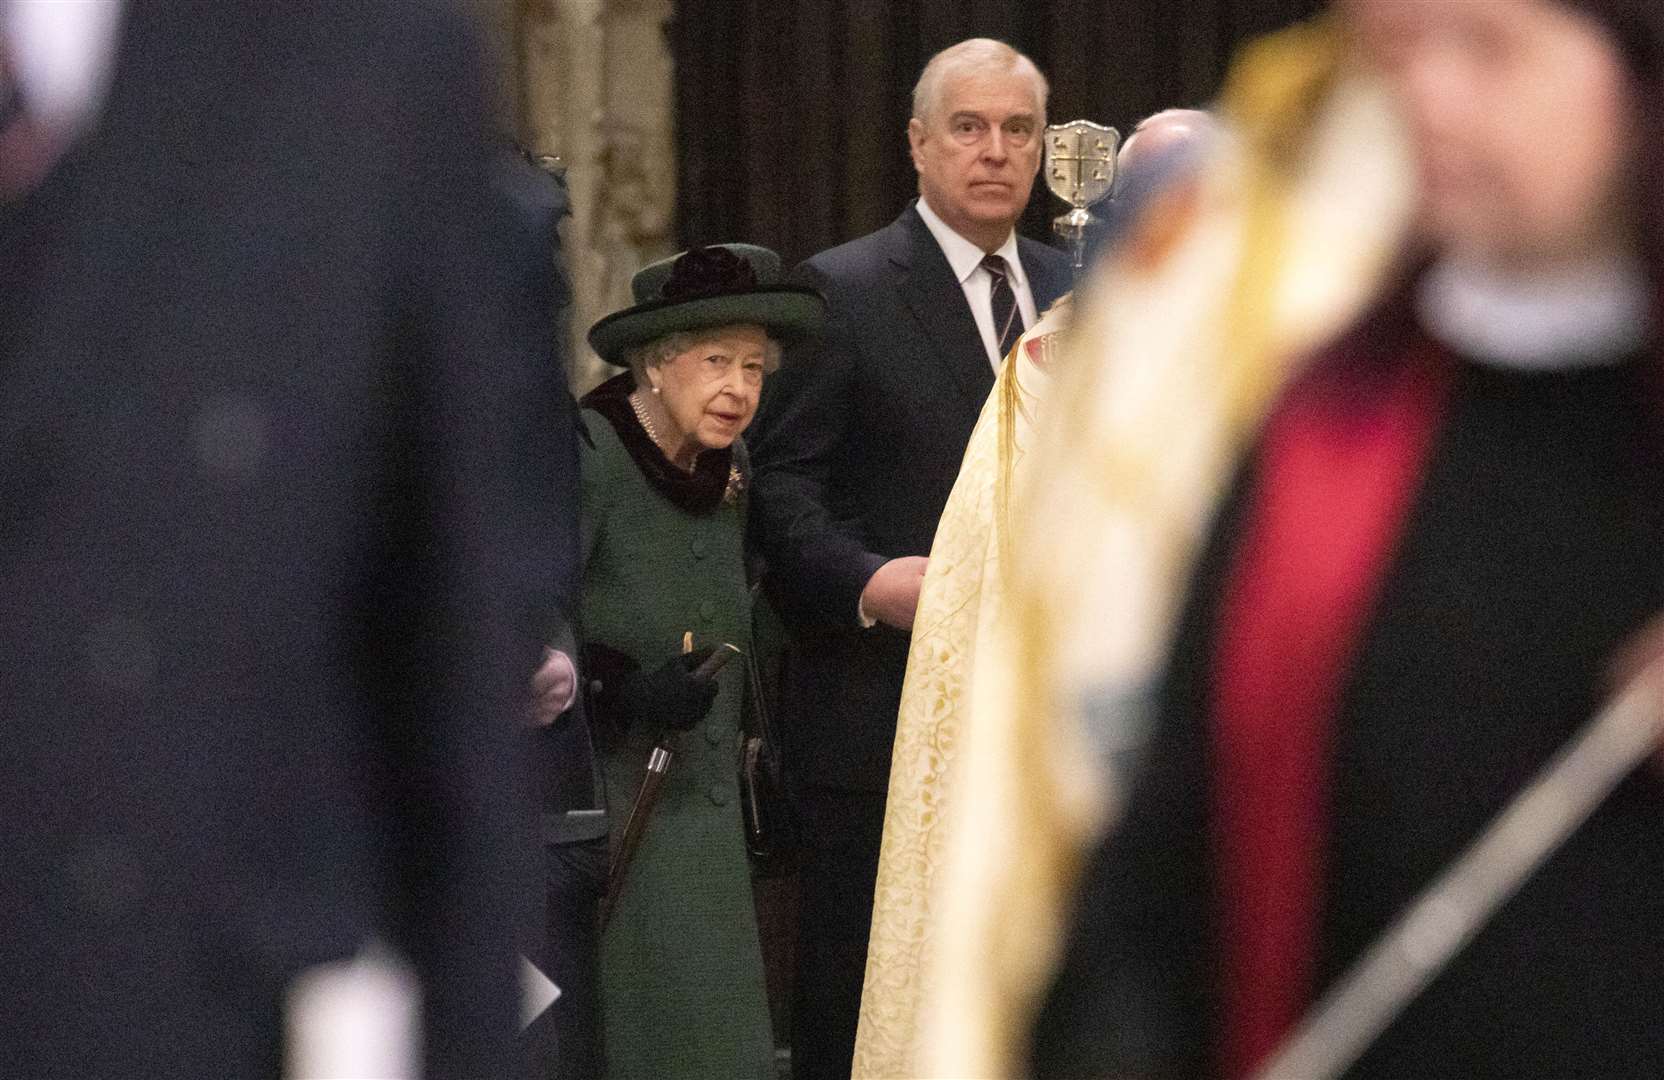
[(682, 990)]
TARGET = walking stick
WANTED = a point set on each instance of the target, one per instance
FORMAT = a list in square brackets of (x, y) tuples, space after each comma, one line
[(652, 785)]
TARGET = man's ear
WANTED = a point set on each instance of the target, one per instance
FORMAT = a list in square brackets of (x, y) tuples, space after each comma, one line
[(916, 135)]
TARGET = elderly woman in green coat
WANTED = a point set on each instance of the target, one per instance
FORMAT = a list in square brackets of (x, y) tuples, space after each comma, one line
[(664, 479)]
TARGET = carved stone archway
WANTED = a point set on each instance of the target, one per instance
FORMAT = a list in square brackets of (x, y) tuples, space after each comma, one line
[(590, 81), (595, 88)]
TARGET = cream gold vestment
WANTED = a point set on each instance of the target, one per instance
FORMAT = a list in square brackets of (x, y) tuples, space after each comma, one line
[(1057, 568)]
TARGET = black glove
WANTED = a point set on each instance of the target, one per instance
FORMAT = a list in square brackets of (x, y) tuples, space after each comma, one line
[(672, 697)]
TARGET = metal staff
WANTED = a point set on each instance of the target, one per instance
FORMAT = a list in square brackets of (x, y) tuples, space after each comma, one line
[(1080, 170), (1447, 915), (652, 785)]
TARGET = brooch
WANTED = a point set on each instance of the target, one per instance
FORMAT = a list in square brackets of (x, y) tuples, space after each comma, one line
[(736, 485)]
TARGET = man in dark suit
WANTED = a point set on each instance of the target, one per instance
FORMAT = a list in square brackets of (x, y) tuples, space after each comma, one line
[(561, 935), (856, 448), (276, 449)]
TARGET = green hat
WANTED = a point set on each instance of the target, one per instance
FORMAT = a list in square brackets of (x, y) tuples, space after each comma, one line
[(705, 288)]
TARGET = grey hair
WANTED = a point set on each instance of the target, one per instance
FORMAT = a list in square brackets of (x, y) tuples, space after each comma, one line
[(974, 55), (662, 350)]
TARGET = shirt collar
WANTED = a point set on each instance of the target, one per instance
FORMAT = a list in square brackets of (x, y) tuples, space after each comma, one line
[(965, 257), (1578, 317)]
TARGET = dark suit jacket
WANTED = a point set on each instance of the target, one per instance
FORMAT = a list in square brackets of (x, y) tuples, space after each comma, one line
[(856, 447), (275, 462), (570, 855), (563, 759)]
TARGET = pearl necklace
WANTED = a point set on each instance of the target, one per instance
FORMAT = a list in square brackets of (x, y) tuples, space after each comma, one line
[(736, 479), (640, 410), (645, 420)]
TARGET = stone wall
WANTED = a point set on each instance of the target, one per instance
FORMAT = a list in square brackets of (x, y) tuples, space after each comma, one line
[(590, 82)]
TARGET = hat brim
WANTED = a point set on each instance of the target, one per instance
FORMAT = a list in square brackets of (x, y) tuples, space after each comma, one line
[(788, 312)]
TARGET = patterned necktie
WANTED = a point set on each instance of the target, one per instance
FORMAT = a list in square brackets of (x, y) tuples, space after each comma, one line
[(1008, 325), (26, 150)]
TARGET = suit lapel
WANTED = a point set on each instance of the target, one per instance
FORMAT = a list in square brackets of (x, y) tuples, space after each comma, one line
[(1048, 278), (933, 296)]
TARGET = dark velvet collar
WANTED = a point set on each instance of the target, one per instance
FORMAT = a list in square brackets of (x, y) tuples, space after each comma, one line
[(699, 492)]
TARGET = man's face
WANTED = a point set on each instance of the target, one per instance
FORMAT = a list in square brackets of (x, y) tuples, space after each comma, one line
[(1520, 116), (978, 152)]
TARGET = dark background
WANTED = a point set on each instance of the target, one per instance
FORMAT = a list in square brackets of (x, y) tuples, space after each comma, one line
[(792, 114)]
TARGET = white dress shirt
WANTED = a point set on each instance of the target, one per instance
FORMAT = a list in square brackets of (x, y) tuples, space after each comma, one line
[(966, 260), (63, 53)]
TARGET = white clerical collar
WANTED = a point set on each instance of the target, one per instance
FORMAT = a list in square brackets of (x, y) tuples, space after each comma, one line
[(64, 52), (965, 257), (1584, 316)]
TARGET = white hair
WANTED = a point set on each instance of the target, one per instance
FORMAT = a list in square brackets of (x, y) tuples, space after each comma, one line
[(975, 56), (662, 350)]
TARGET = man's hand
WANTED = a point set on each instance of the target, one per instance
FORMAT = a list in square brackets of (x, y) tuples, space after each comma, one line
[(892, 594), (554, 687)]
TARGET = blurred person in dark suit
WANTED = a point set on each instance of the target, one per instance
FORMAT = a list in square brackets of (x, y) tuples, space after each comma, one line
[(561, 932), (277, 449), (856, 452)]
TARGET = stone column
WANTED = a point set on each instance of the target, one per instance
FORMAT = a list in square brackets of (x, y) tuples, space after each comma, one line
[(595, 86)]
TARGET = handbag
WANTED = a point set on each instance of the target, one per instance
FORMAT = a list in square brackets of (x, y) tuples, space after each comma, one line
[(768, 813), (766, 808)]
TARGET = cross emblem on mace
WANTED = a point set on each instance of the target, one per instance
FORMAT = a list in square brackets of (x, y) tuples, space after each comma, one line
[(1086, 169), (1080, 170)]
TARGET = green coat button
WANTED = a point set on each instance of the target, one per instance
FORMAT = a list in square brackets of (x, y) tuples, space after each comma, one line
[(700, 548), (717, 794), (707, 610)]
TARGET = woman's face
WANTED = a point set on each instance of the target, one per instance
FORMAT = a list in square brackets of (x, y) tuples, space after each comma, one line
[(1521, 117), (710, 391)]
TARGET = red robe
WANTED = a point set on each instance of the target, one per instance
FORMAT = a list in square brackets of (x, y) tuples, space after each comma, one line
[(1409, 601)]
